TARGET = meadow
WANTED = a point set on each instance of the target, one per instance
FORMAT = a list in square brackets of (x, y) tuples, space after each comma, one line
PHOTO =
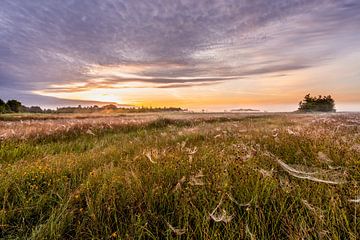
[(180, 176)]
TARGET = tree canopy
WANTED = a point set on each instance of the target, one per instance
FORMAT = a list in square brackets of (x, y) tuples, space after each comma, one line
[(317, 104), (4, 108), (14, 105)]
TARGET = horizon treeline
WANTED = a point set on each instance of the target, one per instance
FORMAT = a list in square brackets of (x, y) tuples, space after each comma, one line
[(15, 106)]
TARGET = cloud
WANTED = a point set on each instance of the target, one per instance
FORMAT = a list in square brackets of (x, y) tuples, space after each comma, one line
[(46, 101), (178, 43), (112, 84)]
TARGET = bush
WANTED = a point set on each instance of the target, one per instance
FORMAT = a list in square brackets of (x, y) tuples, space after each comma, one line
[(317, 104)]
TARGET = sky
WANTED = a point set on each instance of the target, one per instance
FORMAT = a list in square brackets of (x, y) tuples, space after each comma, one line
[(205, 54)]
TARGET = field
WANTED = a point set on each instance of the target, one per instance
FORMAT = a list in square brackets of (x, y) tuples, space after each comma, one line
[(181, 176)]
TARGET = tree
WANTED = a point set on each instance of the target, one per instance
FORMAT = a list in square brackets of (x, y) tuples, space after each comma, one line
[(3, 107), (35, 109), (14, 105), (317, 104)]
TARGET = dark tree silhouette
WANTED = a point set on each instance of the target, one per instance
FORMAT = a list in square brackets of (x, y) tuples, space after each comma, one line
[(14, 105), (3, 107), (317, 104)]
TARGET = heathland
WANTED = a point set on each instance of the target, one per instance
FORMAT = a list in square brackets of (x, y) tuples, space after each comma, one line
[(180, 175)]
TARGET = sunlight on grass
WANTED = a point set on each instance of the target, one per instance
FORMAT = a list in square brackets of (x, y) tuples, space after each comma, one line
[(240, 177)]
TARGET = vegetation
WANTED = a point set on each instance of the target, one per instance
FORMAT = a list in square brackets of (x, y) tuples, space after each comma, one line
[(317, 104), (114, 108), (14, 106), (241, 177), (4, 108), (9, 106)]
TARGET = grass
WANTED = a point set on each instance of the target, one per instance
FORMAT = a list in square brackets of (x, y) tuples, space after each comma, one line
[(214, 178)]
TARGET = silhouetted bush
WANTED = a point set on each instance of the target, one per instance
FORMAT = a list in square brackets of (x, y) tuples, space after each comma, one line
[(317, 104)]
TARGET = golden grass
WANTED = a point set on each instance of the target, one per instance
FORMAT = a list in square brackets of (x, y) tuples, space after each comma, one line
[(211, 176)]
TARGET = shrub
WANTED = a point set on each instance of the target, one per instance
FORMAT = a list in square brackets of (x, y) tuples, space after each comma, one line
[(317, 104)]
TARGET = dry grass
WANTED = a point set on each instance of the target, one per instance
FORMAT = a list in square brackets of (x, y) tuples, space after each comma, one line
[(187, 176), (23, 126)]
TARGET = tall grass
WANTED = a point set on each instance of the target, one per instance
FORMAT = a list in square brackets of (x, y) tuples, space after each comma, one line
[(187, 179)]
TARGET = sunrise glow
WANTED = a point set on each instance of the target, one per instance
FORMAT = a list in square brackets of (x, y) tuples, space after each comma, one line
[(192, 55)]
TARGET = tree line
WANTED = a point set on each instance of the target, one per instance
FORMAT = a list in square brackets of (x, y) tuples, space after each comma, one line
[(308, 104), (15, 106)]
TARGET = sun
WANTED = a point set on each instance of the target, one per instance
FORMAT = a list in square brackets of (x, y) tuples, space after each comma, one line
[(99, 95)]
